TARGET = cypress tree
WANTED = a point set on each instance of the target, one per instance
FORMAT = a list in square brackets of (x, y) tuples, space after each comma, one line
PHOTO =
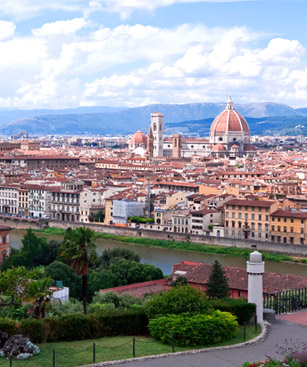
[(217, 286)]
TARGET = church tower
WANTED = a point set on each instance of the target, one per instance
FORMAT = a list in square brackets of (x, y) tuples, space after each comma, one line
[(150, 145), (176, 146), (156, 126)]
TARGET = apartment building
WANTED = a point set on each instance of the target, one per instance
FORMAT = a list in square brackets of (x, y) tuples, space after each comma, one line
[(9, 199), (288, 227), (39, 201), (201, 220), (248, 219), (91, 201), (23, 201), (65, 201)]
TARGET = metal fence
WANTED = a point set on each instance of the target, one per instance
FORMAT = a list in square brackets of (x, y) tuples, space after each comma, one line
[(287, 301)]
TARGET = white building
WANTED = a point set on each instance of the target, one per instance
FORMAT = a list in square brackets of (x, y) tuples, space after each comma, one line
[(9, 199), (123, 209)]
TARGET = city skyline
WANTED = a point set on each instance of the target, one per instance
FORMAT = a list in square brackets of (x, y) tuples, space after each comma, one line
[(132, 53)]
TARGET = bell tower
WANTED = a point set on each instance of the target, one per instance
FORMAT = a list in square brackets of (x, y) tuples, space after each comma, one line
[(156, 126), (176, 146)]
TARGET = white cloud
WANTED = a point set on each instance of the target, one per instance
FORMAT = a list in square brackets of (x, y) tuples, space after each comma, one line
[(58, 66), (7, 30), (60, 27), (22, 9)]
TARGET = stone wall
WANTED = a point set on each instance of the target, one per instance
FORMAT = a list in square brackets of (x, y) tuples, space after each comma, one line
[(298, 250), (21, 223)]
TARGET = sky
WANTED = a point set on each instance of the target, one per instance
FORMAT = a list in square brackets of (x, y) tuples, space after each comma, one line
[(71, 53)]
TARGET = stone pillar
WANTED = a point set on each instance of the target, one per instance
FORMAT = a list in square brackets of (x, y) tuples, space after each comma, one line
[(255, 270)]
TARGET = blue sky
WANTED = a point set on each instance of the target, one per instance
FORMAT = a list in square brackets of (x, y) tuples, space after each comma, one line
[(69, 53)]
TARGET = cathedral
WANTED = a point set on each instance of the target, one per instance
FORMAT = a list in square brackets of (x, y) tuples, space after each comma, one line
[(229, 137)]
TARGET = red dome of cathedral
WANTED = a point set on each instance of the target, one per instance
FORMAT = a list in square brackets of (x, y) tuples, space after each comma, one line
[(138, 138), (229, 121), (218, 148)]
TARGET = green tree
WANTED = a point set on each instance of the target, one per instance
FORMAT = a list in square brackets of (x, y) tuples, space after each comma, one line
[(38, 293), (113, 255), (34, 251), (177, 300), (217, 286), (80, 249), (60, 271), (130, 272), (97, 280)]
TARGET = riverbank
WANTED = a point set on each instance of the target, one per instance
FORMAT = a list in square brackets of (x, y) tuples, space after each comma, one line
[(186, 246)]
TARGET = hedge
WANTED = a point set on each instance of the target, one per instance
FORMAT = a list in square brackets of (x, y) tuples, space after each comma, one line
[(243, 310), (194, 330), (79, 326)]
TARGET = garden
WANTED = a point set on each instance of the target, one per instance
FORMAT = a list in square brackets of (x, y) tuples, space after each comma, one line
[(91, 323)]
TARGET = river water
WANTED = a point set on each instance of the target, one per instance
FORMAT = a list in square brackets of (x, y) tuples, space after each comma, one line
[(165, 258)]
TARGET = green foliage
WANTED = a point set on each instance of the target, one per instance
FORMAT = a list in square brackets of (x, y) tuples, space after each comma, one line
[(100, 307), (130, 272), (34, 329), (80, 249), (79, 326), (141, 220), (238, 307), (58, 308), (179, 282), (194, 330), (15, 284), (8, 326), (111, 256), (97, 217), (60, 271), (177, 300), (35, 251), (119, 301), (217, 286), (98, 280), (107, 297)]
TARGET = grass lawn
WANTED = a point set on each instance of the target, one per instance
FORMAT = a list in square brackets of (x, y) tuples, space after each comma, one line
[(69, 354)]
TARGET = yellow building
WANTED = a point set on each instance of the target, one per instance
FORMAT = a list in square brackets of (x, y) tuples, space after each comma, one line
[(248, 219), (288, 227)]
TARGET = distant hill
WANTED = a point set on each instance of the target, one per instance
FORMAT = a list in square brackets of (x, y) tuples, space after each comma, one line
[(185, 118)]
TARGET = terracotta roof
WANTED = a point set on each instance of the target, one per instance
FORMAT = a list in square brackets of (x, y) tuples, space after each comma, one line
[(238, 278), (289, 214), (139, 290), (256, 203)]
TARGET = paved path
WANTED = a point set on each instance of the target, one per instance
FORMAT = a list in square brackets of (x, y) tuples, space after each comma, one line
[(233, 357), (297, 317)]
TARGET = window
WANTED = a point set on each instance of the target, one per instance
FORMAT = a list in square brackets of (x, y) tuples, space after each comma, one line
[(278, 228), (233, 215), (259, 217), (273, 238), (233, 224), (302, 221), (246, 216), (285, 229), (291, 229), (253, 216), (278, 219), (239, 215), (266, 217), (285, 220), (273, 219)]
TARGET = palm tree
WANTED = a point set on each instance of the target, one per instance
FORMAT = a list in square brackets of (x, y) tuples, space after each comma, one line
[(79, 248), (39, 293)]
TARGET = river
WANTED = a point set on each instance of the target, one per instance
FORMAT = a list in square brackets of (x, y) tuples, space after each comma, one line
[(165, 258)]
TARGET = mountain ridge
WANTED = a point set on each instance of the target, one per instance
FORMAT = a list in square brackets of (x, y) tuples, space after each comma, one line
[(108, 120)]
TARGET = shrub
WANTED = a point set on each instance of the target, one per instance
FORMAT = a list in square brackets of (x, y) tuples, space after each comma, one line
[(194, 330), (8, 326), (177, 300), (98, 307), (34, 329), (79, 326), (107, 297), (238, 307)]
